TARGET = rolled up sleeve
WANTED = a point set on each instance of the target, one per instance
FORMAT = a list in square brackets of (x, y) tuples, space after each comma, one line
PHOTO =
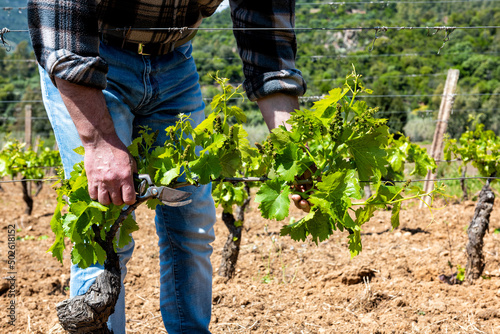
[(65, 39), (268, 54)]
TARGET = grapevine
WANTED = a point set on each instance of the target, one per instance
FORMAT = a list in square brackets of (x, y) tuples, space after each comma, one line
[(339, 144), (16, 159), (482, 149), (338, 141)]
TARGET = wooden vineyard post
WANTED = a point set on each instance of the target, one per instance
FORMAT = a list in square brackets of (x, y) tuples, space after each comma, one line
[(442, 123), (27, 125)]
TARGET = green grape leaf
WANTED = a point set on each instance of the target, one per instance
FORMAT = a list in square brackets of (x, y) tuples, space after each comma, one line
[(80, 182), (280, 136), (396, 208), (78, 208), (291, 163), (334, 189), (207, 123), (79, 150), (273, 199), (80, 194), (152, 203), (169, 171), (217, 140), (318, 225), (207, 167), (134, 147), (98, 206), (129, 225), (99, 253), (297, 230), (230, 161), (83, 255), (68, 225), (331, 99), (355, 245), (368, 155), (237, 113), (365, 213), (58, 246)]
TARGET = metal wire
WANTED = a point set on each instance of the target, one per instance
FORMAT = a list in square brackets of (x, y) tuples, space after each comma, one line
[(445, 179), (419, 54), (297, 29), (386, 2), (262, 179), (27, 180), (345, 3)]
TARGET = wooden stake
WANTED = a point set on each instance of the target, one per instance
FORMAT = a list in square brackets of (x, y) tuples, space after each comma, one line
[(27, 125), (450, 88)]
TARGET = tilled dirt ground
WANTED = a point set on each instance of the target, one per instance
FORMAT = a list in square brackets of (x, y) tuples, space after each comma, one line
[(282, 286)]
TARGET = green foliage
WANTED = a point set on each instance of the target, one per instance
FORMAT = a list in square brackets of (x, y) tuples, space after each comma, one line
[(338, 142), (401, 151), (403, 62), (16, 159), (77, 223), (479, 147)]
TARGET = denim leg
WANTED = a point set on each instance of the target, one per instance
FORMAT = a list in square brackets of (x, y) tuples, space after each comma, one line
[(152, 91), (184, 233), (67, 139)]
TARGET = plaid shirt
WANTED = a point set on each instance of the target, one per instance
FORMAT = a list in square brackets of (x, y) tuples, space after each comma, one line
[(65, 35)]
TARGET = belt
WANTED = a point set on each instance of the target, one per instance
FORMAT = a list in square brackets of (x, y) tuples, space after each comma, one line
[(145, 49)]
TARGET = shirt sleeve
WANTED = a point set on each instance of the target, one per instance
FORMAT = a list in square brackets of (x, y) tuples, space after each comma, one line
[(268, 53), (65, 39)]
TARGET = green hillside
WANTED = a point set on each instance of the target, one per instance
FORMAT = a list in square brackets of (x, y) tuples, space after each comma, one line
[(404, 64)]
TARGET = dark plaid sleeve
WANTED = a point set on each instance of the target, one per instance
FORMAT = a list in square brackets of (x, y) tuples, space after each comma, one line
[(268, 55), (65, 38)]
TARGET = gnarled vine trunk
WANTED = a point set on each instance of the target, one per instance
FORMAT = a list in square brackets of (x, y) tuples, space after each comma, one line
[(231, 249), (89, 313), (476, 231), (27, 197)]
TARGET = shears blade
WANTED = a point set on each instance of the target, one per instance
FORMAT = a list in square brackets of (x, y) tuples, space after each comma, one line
[(173, 197)]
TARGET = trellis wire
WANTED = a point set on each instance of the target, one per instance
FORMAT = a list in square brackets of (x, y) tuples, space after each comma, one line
[(343, 3), (318, 97), (257, 179), (298, 29), (338, 3), (368, 55)]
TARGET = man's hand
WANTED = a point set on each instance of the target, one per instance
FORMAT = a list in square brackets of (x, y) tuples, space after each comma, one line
[(297, 199), (108, 163), (109, 168), (276, 110)]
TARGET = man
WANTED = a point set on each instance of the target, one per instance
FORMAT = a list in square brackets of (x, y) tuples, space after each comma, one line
[(105, 73)]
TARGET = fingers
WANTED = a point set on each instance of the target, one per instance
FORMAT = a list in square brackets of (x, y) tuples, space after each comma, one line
[(128, 194), (301, 203), (106, 194), (109, 172)]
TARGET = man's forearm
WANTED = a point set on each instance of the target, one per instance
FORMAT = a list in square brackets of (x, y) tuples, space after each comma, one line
[(276, 109), (87, 108), (108, 163)]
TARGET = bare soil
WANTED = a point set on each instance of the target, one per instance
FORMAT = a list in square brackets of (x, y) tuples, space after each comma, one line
[(282, 286)]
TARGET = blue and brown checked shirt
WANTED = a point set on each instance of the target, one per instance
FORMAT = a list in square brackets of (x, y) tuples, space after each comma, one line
[(66, 35)]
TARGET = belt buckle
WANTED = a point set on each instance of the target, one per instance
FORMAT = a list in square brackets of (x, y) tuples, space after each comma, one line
[(140, 50)]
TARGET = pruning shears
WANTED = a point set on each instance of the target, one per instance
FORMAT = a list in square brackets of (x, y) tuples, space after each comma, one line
[(169, 196)]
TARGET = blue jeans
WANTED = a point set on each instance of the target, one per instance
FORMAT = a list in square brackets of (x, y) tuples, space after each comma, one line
[(152, 91)]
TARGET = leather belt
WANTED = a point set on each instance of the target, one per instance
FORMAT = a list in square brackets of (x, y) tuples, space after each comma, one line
[(145, 49)]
